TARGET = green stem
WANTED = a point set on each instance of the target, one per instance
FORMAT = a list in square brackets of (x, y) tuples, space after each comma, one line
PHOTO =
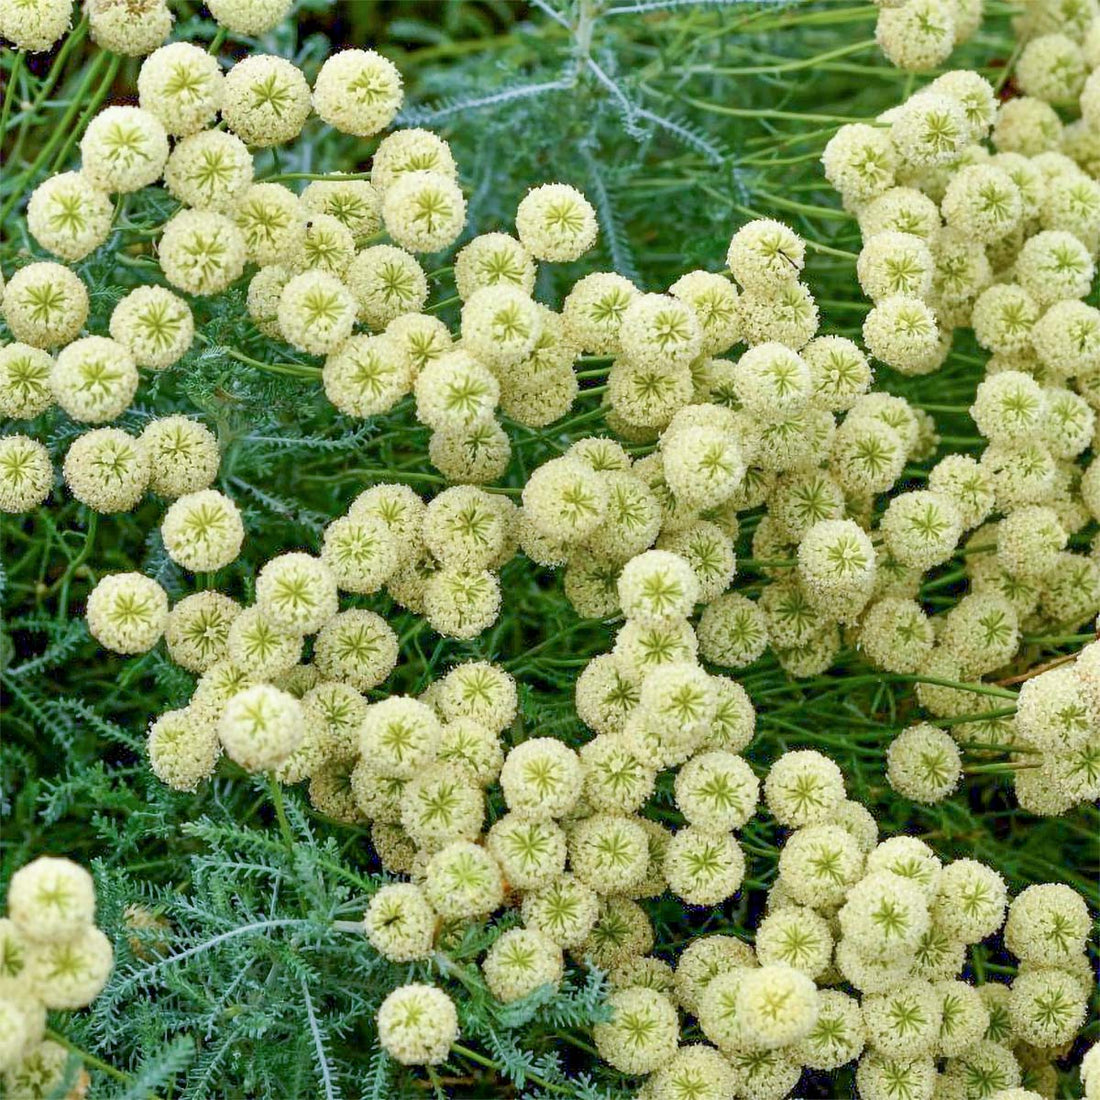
[(759, 112), (441, 305), (100, 94), (217, 41), (9, 91), (91, 1059), (65, 579), (480, 1059), (64, 127)]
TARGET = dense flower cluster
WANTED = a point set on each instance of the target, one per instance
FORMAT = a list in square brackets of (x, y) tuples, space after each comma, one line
[(727, 402), (52, 956)]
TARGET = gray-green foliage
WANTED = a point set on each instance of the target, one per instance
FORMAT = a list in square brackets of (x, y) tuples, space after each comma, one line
[(679, 120)]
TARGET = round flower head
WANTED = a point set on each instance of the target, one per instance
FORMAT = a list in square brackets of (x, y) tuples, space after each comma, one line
[(555, 222), (1054, 265), (417, 1023), (732, 631), (901, 331), (776, 1005), (400, 923), (1069, 423), (786, 314), (203, 531), (531, 854), (358, 647), (424, 211), (609, 852), (765, 254), (201, 252), (893, 263), (34, 27), (903, 210), (1027, 126), (1047, 925), (356, 204), (464, 528), (632, 518), (211, 170), (565, 499), (903, 1023), (982, 204), (713, 298), (519, 962), (469, 744), (492, 259), (772, 379), (71, 973), (24, 381), (647, 395), (803, 788), (839, 372), (819, 864), (837, 1036), (642, 1033), (124, 149), (961, 271), (358, 92), (463, 881), (406, 151), (361, 553), (296, 592), (45, 304), (896, 635), (660, 330), (94, 379), (541, 778), (500, 326), (1052, 68), (1021, 473), (68, 216), (710, 553), (836, 565), (260, 727), (154, 325), (181, 85), (1067, 339), (1073, 205), (107, 470), (564, 911), (921, 528), (703, 466), (272, 222), (1056, 711), (880, 1077), (1029, 542), (132, 30), (51, 899), (328, 245), (266, 100), (1003, 318), (127, 612), (704, 959), (970, 900), (316, 312), (695, 1072), (26, 473), (461, 603), (399, 736), (923, 763), (183, 748), (961, 480), (656, 586), (593, 311), (606, 694), (197, 629), (455, 391), (441, 805), (616, 777), (795, 936), (930, 130), (183, 455), (860, 162), (703, 867), (365, 375), (1047, 1007), (917, 36)]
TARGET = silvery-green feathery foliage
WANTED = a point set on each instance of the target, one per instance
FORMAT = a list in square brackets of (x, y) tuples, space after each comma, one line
[(549, 551)]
